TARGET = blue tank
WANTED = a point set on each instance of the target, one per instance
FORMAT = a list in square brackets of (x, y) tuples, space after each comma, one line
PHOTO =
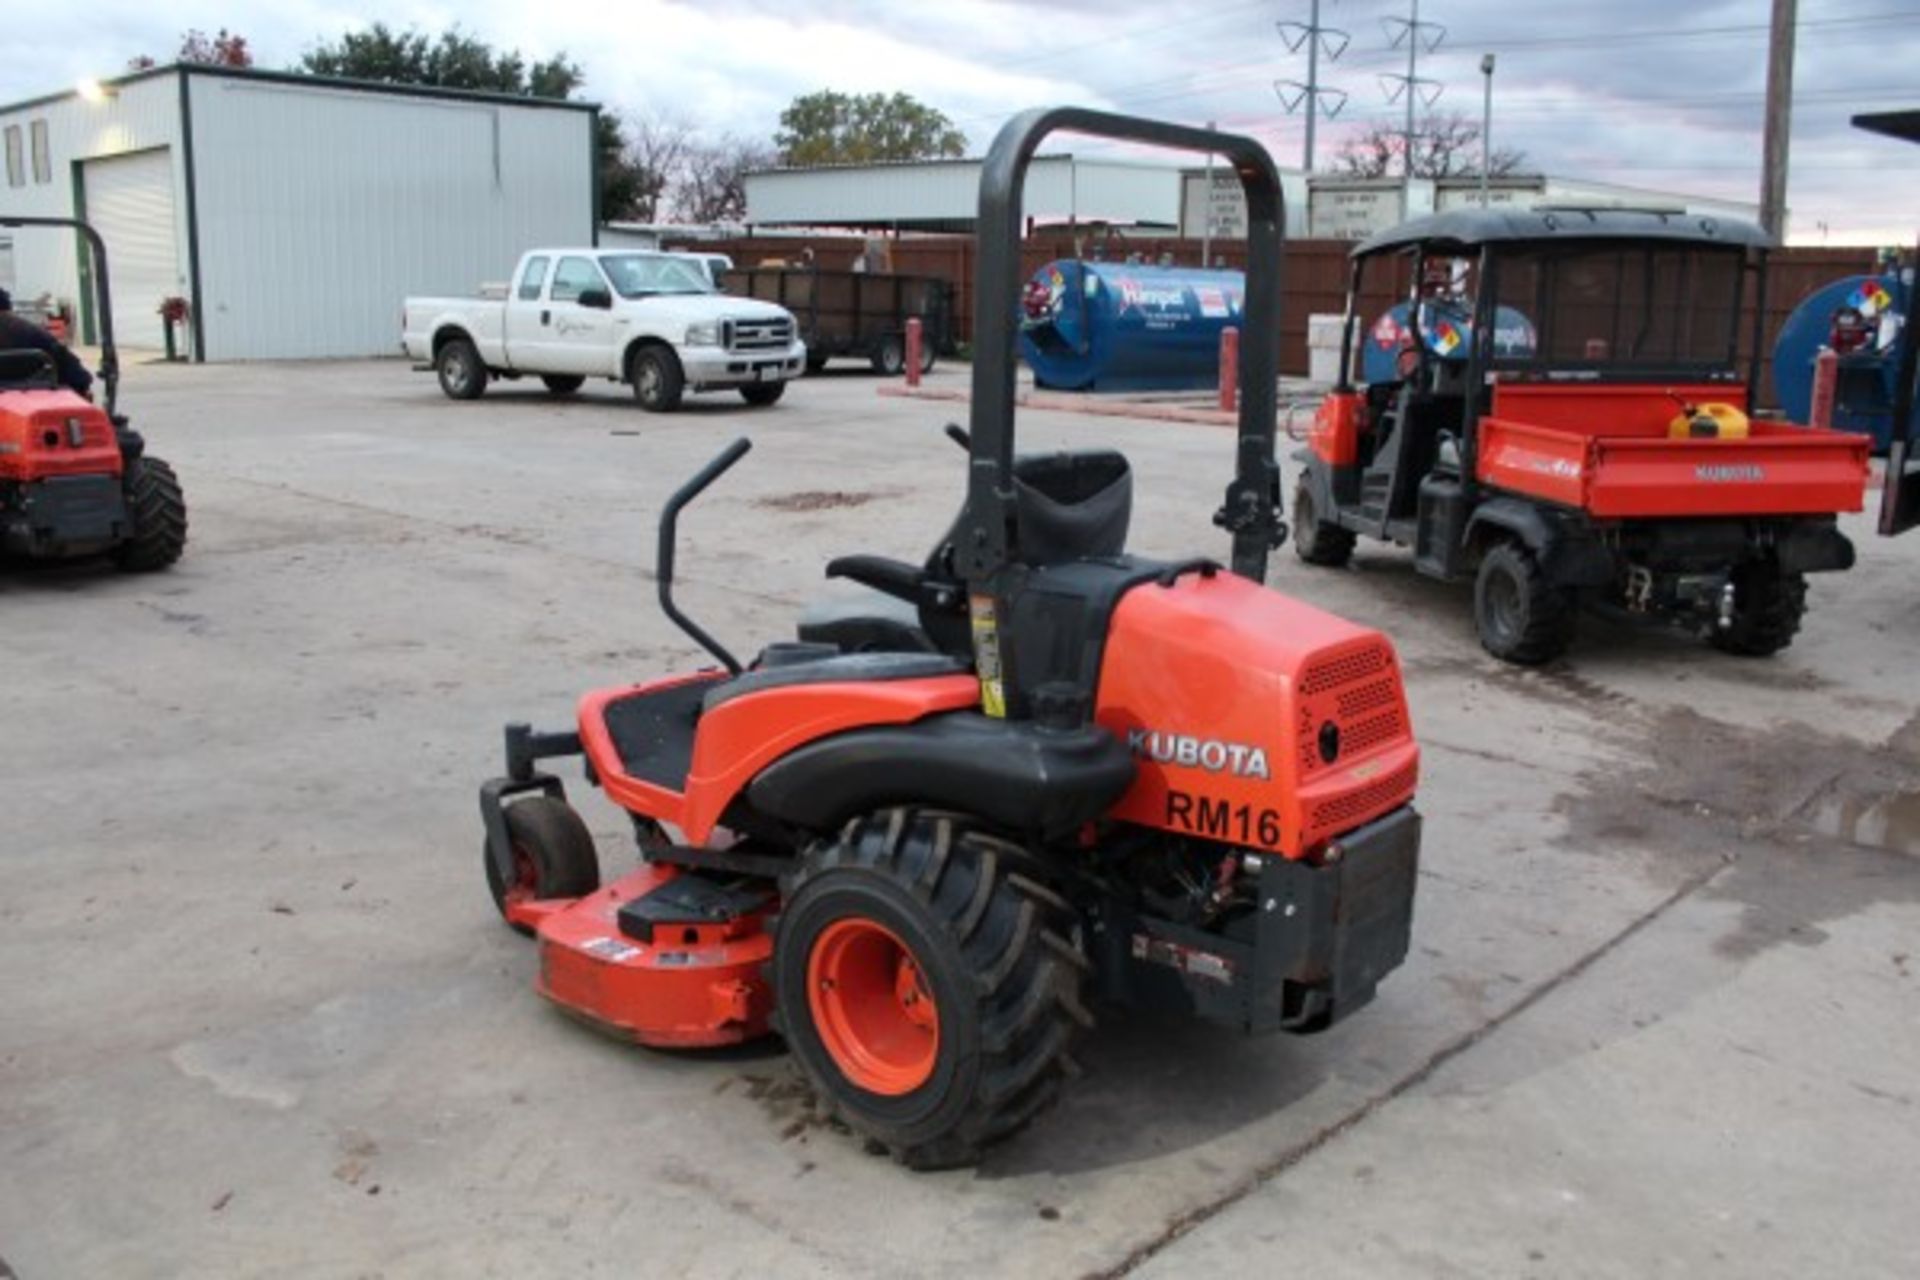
[(1871, 306), (1449, 334), (1108, 326)]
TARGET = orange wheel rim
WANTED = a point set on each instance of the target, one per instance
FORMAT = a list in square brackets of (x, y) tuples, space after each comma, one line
[(871, 1007)]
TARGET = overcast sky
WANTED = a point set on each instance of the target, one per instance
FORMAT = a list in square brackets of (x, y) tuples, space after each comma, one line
[(1640, 92)]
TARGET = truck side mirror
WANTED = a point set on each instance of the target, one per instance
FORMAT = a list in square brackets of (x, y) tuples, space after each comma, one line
[(598, 299)]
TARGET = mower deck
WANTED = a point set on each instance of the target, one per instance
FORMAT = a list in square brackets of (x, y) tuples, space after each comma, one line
[(659, 956)]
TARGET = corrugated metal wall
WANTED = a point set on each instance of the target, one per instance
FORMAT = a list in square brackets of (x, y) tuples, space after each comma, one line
[(320, 209), (139, 116), (949, 190)]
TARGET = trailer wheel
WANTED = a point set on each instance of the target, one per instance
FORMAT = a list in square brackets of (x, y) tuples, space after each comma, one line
[(927, 355), (1522, 617), (763, 393), (928, 989), (1767, 607), (158, 511), (553, 855), (462, 376), (656, 378), (1317, 541), (562, 384), (890, 356)]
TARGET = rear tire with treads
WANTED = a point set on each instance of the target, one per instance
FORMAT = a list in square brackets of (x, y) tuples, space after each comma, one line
[(158, 511), (978, 937)]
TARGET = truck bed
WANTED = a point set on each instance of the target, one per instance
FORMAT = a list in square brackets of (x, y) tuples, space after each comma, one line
[(1605, 450)]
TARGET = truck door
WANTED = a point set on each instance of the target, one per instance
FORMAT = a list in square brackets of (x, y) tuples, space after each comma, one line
[(527, 328), (580, 338)]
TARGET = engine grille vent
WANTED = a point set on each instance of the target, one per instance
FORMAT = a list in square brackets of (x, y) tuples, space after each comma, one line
[(759, 335)]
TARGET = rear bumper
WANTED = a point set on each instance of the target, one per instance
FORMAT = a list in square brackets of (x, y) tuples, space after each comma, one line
[(63, 516), (1321, 940), (717, 367)]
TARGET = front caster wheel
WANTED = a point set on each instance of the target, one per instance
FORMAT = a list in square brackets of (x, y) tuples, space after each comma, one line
[(553, 856), (927, 986)]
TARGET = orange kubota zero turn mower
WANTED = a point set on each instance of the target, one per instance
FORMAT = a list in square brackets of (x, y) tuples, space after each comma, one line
[(923, 849), (75, 479)]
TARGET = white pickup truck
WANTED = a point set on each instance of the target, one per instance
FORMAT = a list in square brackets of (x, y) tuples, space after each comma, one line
[(651, 320)]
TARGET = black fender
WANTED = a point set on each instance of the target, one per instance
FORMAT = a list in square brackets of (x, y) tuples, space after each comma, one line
[(1564, 546), (1039, 783)]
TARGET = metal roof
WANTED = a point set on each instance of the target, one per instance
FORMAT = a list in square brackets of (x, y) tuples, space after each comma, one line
[(1904, 125), (1470, 228), (303, 80)]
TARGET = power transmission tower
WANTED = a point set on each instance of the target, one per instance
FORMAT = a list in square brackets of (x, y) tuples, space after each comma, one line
[(1419, 37), (1295, 94)]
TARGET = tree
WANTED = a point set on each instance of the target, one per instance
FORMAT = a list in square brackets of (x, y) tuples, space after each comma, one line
[(1444, 146), (222, 49), (656, 151), (713, 186), (459, 61), (837, 128)]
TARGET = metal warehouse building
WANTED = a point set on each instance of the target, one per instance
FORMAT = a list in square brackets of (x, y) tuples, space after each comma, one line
[(292, 212)]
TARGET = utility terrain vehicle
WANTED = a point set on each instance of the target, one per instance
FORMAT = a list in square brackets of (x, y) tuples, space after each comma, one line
[(1613, 457), (1088, 777), (75, 479)]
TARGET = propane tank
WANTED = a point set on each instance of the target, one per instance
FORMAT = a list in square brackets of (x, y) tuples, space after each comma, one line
[(1858, 318), (1447, 326), (1111, 326)]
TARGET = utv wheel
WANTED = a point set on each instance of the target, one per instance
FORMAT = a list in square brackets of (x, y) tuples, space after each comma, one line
[(763, 393), (462, 376), (158, 511), (1522, 618), (927, 987), (553, 856), (890, 357), (1767, 608), (1315, 540), (563, 384), (657, 379)]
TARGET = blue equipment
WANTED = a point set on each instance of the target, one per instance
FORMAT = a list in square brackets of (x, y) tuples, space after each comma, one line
[(1859, 317), (1110, 326), (1448, 329)]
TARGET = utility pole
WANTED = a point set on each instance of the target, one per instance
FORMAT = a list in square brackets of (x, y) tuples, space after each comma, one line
[(1486, 130), (1417, 89), (1773, 171), (1295, 94)]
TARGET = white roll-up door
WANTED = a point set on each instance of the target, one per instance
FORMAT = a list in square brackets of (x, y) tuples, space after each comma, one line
[(129, 201)]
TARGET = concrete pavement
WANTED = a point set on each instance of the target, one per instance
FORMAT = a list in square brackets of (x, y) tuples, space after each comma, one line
[(258, 1016)]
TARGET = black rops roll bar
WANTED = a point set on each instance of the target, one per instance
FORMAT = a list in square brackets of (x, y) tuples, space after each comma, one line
[(663, 564), (109, 353), (1252, 509)]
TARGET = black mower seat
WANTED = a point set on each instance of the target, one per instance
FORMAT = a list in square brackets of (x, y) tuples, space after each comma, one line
[(853, 667)]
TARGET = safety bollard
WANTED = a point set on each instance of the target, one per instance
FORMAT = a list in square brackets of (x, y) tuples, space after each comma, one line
[(915, 336), (1229, 370), (1826, 386)]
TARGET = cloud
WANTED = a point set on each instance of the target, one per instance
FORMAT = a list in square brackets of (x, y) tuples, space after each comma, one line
[(1636, 92)]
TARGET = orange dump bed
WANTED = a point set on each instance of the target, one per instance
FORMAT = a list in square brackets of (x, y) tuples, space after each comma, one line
[(1606, 450)]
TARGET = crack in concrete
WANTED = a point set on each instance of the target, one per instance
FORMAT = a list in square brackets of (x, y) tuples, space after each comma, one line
[(1191, 1220)]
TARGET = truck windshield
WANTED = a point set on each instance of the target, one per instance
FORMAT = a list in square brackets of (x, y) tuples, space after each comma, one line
[(1615, 308), (637, 275)]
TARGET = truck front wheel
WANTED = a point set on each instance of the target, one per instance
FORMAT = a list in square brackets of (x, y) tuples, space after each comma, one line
[(462, 376), (763, 393), (656, 378)]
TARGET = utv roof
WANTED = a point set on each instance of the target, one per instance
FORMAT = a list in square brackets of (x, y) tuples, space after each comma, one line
[(1904, 125), (1471, 228)]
